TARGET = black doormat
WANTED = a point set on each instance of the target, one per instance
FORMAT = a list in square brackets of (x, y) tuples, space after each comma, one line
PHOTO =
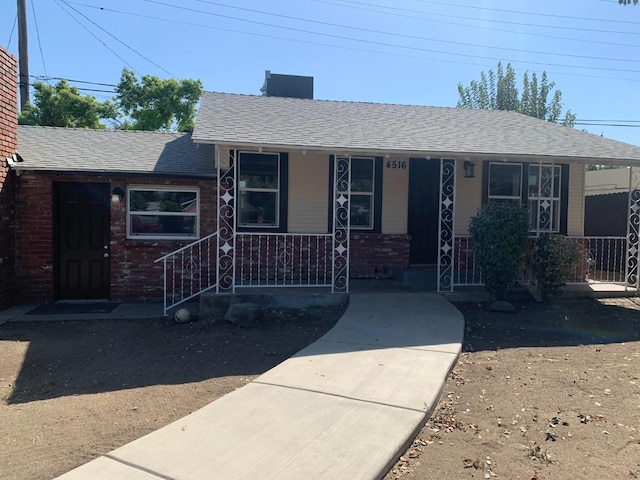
[(73, 308)]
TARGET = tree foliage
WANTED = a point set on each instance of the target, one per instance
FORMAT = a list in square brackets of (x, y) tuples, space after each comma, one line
[(64, 106), (499, 234), (498, 91), (627, 2), (156, 104)]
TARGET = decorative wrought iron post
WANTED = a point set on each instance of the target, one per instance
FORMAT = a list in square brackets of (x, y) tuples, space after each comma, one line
[(226, 251), (341, 224), (546, 185), (632, 275), (446, 236)]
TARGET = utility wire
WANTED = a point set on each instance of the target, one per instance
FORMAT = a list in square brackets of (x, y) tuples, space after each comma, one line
[(476, 26), (117, 39), (343, 47), (475, 19), (45, 78), (607, 124), (13, 28), (35, 20), (373, 42), (59, 3), (414, 37), (548, 15)]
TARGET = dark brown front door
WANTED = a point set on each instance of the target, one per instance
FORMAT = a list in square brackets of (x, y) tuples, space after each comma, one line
[(82, 240), (424, 189)]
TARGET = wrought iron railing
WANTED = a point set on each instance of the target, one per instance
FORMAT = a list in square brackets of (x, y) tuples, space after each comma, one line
[(601, 260), (283, 260), (189, 271), (261, 260)]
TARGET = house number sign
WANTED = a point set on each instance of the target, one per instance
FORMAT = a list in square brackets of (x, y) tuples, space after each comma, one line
[(394, 164)]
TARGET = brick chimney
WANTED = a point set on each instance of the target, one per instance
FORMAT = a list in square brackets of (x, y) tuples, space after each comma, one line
[(8, 147)]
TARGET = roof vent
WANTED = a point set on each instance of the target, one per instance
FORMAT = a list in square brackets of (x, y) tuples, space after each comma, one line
[(291, 86)]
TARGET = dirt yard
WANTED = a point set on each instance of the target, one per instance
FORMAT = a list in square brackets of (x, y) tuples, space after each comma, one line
[(71, 391), (550, 392)]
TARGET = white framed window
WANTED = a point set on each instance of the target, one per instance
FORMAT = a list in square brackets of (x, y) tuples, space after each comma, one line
[(162, 212), (363, 181), (259, 186)]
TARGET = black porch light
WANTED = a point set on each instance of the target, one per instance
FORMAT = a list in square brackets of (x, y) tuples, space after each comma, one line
[(468, 169)]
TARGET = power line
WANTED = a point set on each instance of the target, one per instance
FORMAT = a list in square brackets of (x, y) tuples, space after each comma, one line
[(35, 19), (622, 121), (475, 19), (13, 28), (95, 36), (343, 47), (45, 78), (413, 37), (342, 37), (480, 27), (548, 15), (118, 40), (607, 124), (476, 26)]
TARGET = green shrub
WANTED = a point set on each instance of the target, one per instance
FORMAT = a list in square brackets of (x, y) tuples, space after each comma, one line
[(553, 259), (499, 234)]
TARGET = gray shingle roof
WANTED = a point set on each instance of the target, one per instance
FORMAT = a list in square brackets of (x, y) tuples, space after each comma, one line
[(85, 150), (319, 124)]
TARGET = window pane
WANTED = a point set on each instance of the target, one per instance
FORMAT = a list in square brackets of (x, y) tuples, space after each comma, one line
[(162, 201), (174, 225), (505, 180), (360, 211), (258, 170), (534, 212), (362, 175), (534, 176), (258, 208)]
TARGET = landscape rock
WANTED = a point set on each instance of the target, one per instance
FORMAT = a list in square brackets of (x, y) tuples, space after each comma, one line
[(501, 306), (245, 315)]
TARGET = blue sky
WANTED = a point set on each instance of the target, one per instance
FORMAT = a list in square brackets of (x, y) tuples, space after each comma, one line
[(400, 51)]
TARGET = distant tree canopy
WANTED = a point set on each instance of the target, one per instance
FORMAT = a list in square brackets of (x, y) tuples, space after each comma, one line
[(148, 104), (64, 106), (497, 91), (156, 104), (627, 2)]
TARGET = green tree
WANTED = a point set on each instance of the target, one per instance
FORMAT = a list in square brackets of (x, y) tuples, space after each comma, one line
[(64, 106), (156, 104), (498, 91)]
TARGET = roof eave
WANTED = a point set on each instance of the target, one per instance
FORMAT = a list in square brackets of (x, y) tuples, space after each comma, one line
[(477, 156)]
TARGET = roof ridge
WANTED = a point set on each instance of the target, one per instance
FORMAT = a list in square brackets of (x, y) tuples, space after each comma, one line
[(106, 130)]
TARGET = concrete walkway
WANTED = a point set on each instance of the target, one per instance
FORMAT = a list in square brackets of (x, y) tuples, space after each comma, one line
[(344, 407)]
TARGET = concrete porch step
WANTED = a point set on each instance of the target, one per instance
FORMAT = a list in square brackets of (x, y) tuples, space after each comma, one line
[(423, 274)]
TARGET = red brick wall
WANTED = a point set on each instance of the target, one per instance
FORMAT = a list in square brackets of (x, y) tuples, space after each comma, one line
[(8, 146), (134, 276), (377, 255)]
